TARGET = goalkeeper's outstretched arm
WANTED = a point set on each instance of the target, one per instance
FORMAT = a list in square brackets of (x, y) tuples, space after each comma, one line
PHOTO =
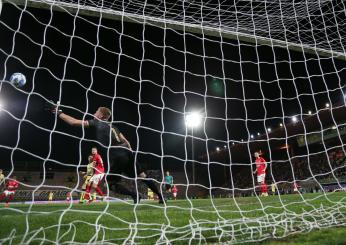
[(54, 108), (73, 121)]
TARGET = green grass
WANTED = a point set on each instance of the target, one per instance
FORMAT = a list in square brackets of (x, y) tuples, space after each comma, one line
[(330, 236), (289, 219)]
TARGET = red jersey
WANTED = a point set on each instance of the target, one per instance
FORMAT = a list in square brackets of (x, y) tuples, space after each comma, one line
[(12, 185), (260, 165), (174, 189), (99, 168)]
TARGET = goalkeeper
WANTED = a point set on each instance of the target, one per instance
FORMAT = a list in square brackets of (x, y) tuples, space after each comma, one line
[(120, 155)]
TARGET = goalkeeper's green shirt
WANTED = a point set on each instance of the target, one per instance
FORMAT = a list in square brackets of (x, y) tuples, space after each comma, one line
[(90, 169), (2, 179)]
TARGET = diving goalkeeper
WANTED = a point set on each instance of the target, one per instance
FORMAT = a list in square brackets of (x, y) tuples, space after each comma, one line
[(120, 155)]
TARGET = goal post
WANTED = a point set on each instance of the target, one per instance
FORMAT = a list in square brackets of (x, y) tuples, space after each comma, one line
[(209, 30)]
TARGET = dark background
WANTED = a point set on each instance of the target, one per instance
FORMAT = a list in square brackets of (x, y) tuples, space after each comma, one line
[(150, 77)]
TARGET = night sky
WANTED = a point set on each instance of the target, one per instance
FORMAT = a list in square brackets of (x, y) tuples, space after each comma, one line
[(149, 77)]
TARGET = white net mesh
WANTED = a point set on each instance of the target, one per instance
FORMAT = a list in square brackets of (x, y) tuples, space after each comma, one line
[(313, 25), (262, 76)]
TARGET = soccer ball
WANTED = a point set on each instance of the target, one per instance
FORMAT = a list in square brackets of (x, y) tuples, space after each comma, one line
[(18, 79)]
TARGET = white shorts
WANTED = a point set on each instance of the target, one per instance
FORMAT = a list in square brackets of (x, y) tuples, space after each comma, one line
[(174, 194), (261, 178), (7, 192), (96, 178)]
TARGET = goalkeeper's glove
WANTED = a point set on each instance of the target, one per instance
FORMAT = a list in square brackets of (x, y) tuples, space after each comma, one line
[(53, 108)]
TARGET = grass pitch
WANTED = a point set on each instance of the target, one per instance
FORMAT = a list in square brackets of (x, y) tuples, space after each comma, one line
[(287, 219)]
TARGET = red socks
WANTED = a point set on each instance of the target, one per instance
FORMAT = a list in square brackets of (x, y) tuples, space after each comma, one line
[(9, 198), (263, 188), (87, 192), (98, 190)]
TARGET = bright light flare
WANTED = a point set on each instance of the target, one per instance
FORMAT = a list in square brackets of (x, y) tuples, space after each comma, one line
[(193, 120)]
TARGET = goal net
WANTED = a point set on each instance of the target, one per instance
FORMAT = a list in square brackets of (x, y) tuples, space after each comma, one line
[(197, 88)]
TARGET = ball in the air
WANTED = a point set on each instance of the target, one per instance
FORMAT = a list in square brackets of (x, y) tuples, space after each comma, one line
[(18, 79)]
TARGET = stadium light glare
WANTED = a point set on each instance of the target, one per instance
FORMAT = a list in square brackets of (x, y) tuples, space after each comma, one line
[(309, 112), (269, 130), (217, 148), (294, 119), (327, 105), (225, 146), (251, 136), (281, 125), (258, 134), (193, 119)]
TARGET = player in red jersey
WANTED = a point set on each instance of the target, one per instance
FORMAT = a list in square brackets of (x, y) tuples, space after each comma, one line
[(261, 167), (174, 192), (99, 173), (68, 196), (10, 190), (296, 187)]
